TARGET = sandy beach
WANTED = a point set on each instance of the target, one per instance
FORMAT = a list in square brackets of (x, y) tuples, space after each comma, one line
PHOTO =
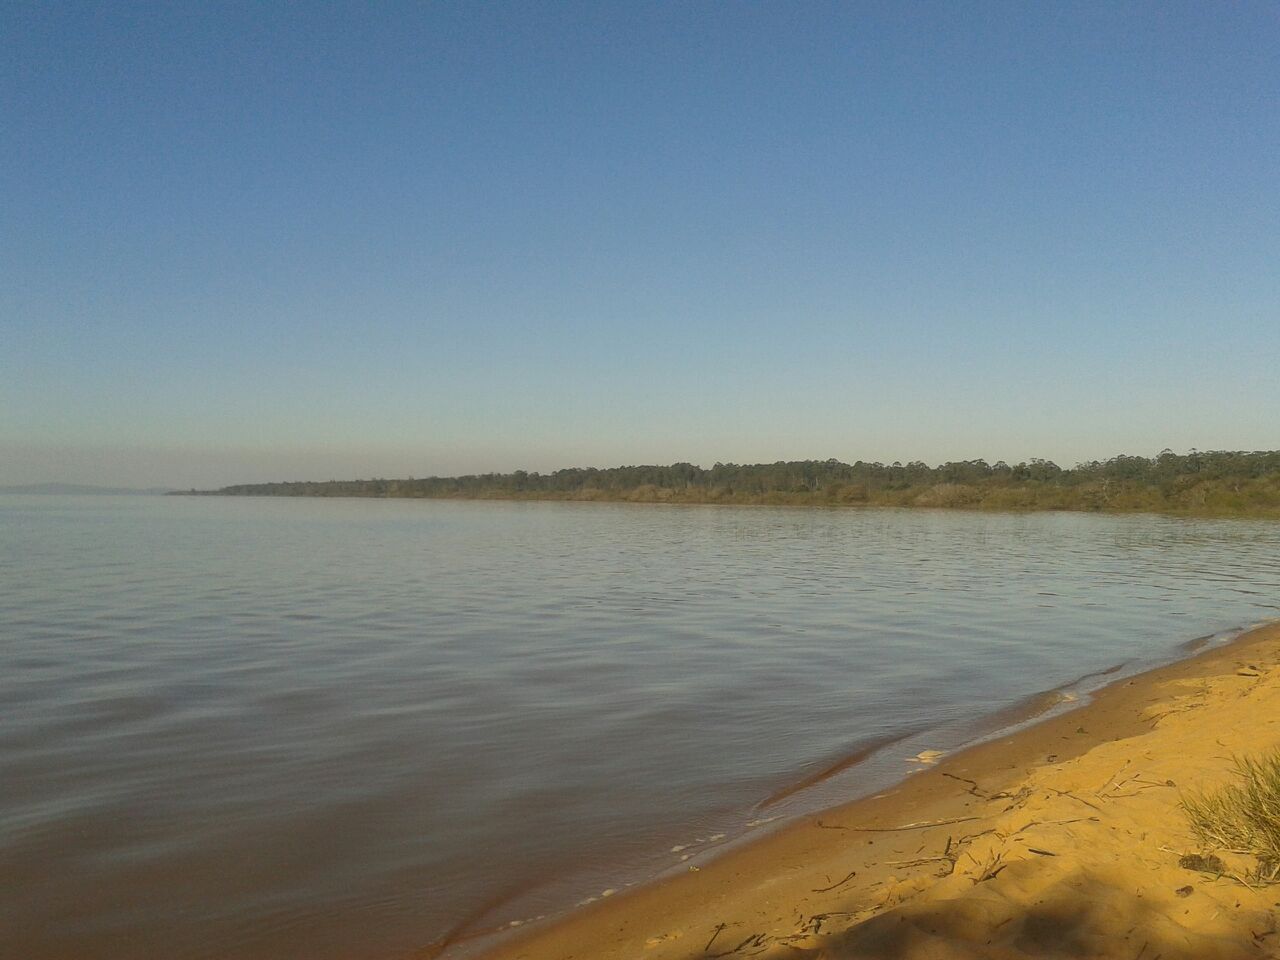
[(1060, 840)]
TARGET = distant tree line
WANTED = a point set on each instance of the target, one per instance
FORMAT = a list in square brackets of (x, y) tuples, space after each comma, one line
[(1200, 483)]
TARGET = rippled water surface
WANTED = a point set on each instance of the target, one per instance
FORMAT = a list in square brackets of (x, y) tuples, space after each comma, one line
[(255, 728)]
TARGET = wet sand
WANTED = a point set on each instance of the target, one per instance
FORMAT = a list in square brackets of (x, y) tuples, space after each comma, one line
[(1059, 840)]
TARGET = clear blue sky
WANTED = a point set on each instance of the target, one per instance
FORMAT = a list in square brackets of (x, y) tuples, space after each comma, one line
[(272, 241)]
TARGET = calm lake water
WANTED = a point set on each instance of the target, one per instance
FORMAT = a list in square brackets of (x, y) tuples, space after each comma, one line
[(256, 728)]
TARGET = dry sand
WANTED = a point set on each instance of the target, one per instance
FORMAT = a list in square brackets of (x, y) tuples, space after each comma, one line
[(1061, 840)]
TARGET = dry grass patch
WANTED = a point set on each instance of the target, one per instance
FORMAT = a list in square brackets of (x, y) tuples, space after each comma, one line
[(1243, 817)]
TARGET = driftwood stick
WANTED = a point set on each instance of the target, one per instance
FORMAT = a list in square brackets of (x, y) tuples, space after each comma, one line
[(756, 939), (1068, 793), (910, 826), (974, 789), (852, 874), (918, 862), (1111, 779), (719, 927)]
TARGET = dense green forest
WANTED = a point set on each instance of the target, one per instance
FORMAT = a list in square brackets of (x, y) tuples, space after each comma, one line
[(1218, 483)]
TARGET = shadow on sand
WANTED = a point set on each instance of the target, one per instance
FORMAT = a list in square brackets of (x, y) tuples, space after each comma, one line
[(1076, 917)]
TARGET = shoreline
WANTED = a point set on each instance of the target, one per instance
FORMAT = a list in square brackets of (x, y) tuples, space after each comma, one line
[(1266, 512), (901, 873)]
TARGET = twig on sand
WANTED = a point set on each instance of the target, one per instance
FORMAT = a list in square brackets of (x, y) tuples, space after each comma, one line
[(1072, 820), (719, 927), (1138, 790), (818, 919), (1143, 784), (1068, 793), (1018, 799), (1111, 779), (948, 856), (918, 862), (974, 789), (1151, 783), (923, 824), (1236, 876), (1045, 823), (755, 940), (991, 868), (852, 874)]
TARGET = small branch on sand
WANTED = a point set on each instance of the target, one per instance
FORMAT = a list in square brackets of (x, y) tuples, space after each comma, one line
[(1068, 793), (974, 789), (1018, 799), (719, 927), (991, 869), (948, 856), (1236, 876), (818, 919), (1142, 785), (755, 940), (1073, 820), (924, 824), (1111, 779), (852, 874), (1045, 823), (1153, 783), (918, 862), (1138, 790)]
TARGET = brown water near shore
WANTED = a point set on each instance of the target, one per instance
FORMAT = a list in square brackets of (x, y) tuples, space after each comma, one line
[(858, 756), (880, 763), (1063, 839)]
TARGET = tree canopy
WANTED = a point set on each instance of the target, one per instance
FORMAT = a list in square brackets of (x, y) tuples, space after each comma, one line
[(1198, 482)]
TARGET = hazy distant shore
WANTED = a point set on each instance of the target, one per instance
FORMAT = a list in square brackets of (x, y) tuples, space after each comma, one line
[(84, 490), (1208, 484)]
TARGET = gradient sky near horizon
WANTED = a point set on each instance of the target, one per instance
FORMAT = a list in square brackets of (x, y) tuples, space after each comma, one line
[(245, 242)]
